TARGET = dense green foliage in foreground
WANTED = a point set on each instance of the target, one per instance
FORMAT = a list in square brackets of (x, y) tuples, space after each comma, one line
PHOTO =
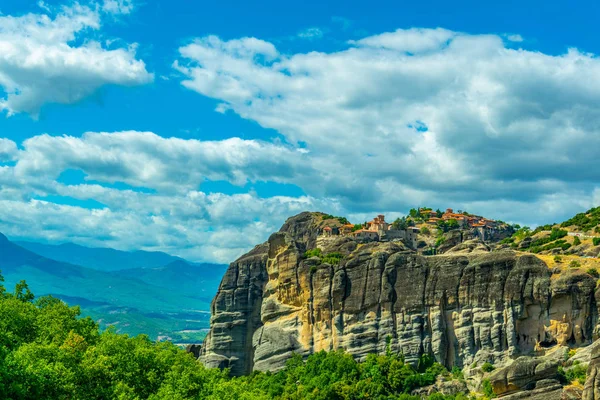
[(48, 352)]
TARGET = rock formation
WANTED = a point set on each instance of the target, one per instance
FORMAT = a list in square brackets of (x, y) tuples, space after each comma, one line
[(467, 307)]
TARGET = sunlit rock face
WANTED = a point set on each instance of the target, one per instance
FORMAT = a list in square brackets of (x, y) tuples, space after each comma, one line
[(460, 308)]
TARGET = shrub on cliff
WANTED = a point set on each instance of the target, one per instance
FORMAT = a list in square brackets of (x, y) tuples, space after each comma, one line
[(487, 367), (312, 253)]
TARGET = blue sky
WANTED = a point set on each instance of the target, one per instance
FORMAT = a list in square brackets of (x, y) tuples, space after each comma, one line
[(343, 107)]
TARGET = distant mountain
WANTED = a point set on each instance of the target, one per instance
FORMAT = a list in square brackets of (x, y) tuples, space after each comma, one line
[(181, 276), (171, 301), (100, 258)]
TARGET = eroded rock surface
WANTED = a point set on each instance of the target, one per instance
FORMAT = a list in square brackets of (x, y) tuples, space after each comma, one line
[(461, 308)]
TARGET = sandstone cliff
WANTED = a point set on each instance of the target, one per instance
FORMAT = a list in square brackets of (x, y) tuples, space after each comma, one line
[(462, 308)]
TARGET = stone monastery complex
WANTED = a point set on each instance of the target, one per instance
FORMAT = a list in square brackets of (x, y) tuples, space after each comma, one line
[(377, 230), (380, 230)]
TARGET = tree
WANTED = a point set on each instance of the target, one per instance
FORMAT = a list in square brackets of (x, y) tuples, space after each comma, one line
[(400, 224), (2, 288), (439, 213), (576, 241), (425, 230), (22, 292), (452, 224)]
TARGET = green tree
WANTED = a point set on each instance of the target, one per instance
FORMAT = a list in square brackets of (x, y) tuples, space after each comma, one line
[(400, 224), (22, 292), (576, 241), (2, 288)]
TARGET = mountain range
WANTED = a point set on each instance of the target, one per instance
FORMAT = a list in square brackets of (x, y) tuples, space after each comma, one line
[(154, 293)]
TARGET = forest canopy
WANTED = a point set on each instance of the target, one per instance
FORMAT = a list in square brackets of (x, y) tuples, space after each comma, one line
[(47, 351)]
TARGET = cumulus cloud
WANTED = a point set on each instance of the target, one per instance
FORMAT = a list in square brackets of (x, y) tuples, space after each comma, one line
[(144, 159), (8, 150), (55, 59), (421, 116), (196, 226), (395, 120), (162, 207)]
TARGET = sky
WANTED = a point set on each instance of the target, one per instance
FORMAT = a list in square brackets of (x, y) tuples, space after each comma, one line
[(197, 128)]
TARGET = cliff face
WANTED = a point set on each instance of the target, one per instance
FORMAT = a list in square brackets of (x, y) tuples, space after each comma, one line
[(477, 306)]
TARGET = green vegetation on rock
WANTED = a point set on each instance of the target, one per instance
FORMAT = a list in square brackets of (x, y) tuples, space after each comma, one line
[(584, 221)]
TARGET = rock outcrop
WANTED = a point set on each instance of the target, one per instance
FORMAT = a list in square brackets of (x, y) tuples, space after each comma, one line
[(461, 308), (591, 389)]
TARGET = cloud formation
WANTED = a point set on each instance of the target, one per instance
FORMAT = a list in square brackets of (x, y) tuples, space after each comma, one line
[(8, 150), (162, 205), (420, 116), (396, 120), (55, 59), (144, 159)]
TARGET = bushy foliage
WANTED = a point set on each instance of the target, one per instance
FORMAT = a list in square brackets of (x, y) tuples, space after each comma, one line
[(562, 244), (449, 225), (47, 351), (487, 367), (584, 221), (550, 242), (332, 258), (341, 220), (576, 373), (487, 388), (400, 224), (574, 264), (576, 241), (596, 241), (357, 227), (313, 253)]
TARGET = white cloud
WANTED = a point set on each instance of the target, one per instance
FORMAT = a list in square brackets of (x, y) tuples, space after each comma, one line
[(428, 115), (311, 33), (144, 159), (174, 216), (191, 226), (8, 150), (55, 59), (397, 120), (414, 40), (515, 38), (118, 6)]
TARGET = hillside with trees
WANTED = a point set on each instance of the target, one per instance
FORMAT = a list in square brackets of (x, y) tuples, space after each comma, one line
[(47, 351)]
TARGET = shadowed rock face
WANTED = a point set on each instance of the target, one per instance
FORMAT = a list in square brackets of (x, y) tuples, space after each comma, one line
[(479, 306)]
